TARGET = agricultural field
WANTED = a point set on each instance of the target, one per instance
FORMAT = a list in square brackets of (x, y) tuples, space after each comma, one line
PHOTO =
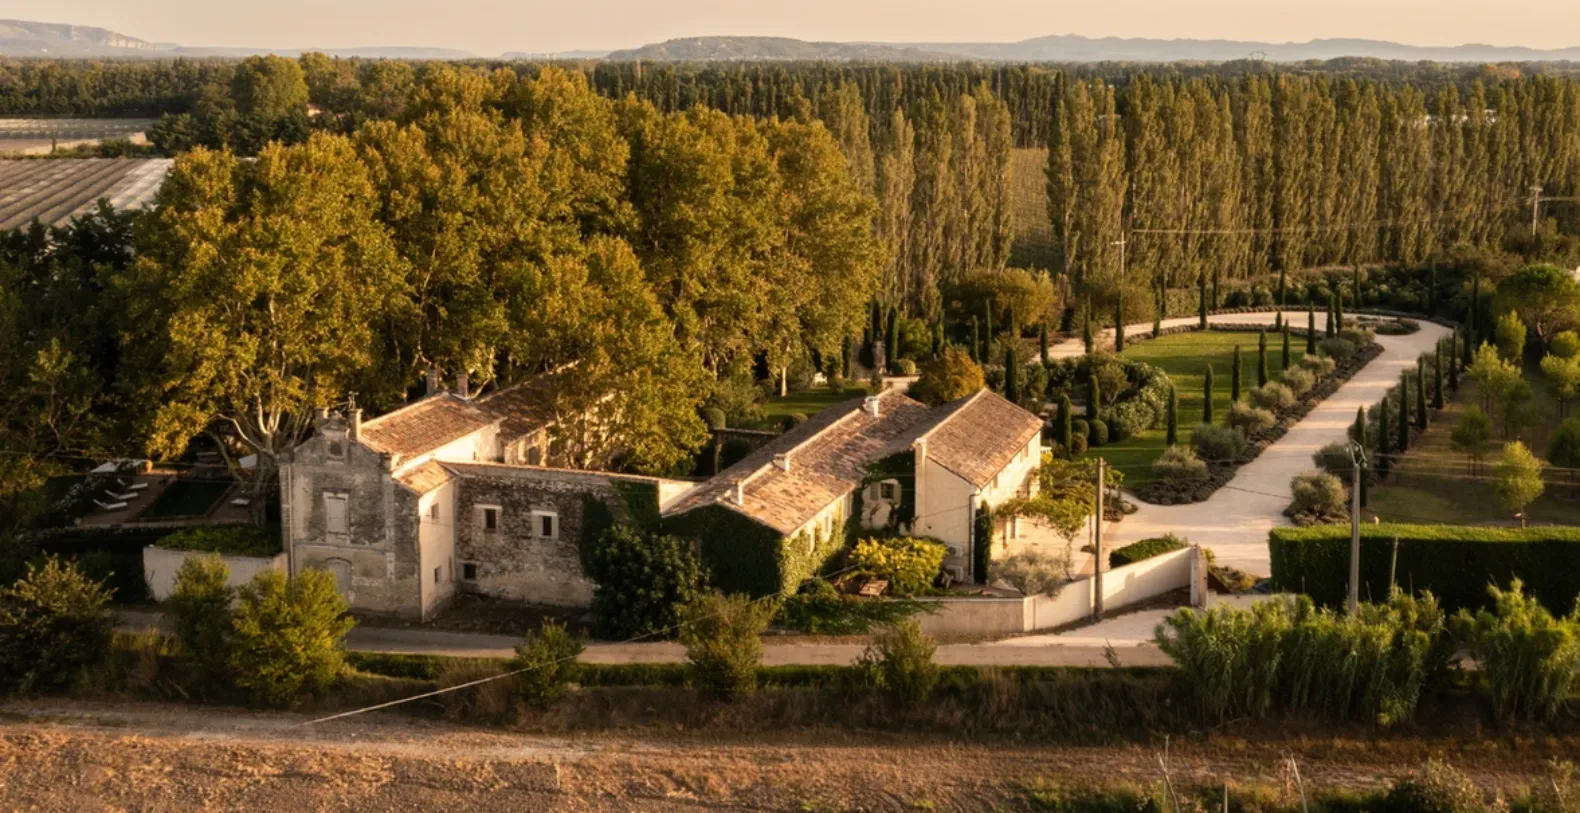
[(41, 136), (1435, 483), (1185, 356), (52, 192)]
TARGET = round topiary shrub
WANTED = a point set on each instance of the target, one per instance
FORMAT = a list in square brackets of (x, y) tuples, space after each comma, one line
[(1250, 419), (1299, 381), (1217, 443), (1077, 445), (1180, 468), (1099, 436), (1080, 428), (1337, 348), (1319, 366), (905, 367), (713, 417), (1318, 494), (1271, 397)]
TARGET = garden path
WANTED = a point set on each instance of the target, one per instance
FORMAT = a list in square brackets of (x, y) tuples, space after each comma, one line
[(1234, 522)]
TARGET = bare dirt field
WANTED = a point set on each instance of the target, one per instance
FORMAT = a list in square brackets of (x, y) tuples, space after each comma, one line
[(64, 755)]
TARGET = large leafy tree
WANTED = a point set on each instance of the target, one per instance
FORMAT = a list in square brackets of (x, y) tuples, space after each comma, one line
[(1546, 297), (255, 298)]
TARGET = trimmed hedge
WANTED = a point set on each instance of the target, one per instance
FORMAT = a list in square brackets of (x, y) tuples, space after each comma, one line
[(1145, 549), (240, 540), (1455, 562)]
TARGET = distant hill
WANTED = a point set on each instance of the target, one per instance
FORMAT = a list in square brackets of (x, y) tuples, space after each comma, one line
[(24, 38), (716, 49), (1073, 48)]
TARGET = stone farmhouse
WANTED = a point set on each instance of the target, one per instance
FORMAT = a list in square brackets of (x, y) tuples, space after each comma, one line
[(459, 494)]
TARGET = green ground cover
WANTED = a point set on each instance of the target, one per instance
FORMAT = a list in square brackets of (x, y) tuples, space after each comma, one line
[(807, 402), (1184, 356)]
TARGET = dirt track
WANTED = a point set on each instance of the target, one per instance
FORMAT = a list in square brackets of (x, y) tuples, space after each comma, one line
[(81, 756)]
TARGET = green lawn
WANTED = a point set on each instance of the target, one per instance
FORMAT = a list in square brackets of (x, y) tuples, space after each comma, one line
[(1184, 356), (1434, 483), (807, 402), (187, 498)]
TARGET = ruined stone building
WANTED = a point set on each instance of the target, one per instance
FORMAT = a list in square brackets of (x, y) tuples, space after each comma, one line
[(452, 494)]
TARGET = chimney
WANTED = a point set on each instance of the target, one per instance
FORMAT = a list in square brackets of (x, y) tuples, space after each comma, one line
[(870, 406), (782, 462), (354, 423), (740, 493), (463, 385), (433, 379), (320, 414)]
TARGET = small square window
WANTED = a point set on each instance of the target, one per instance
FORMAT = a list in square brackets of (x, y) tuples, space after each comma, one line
[(889, 490), (469, 571)]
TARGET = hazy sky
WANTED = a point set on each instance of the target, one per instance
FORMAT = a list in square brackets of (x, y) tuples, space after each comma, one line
[(489, 27)]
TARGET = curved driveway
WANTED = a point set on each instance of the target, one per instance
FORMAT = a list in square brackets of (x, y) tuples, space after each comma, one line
[(1234, 522)]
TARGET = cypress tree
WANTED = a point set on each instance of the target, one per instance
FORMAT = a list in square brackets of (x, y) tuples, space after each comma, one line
[(938, 338), (988, 335), (844, 358), (1328, 331), (1383, 436), (1431, 290), (1278, 319), (1206, 403), (1065, 423), (1470, 321), (1404, 412), (1355, 286), (1216, 300), (1338, 310), (1283, 288), (1119, 324), (982, 544), (1261, 359), (1157, 313), (1011, 376), (892, 338), (1042, 341), (1286, 347), (1420, 392), (1311, 329), (1437, 380), (976, 342), (1173, 435), (1234, 377), (1201, 299), (1086, 331), (1453, 361), (1094, 397), (876, 328)]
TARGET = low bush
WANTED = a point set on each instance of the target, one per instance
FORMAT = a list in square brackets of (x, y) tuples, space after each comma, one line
[(1319, 366), (722, 636), (1335, 459), (1455, 562), (714, 417), (1337, 348), (237, 540), (490, 698), (1527, 656), (1250, 419), (1146, 549), (200, 607), (1217, 444), (545, 663), (1317, 494), (1099, 434), (1179, 467), (1271, 396), (1285, 654), (901, 658), (288, 635), (1077, 445), (910, 564), (905, 367), (1035, 572), (834, 614), (1299, 381), (1358, 336), (1436, 788), (55, 625)]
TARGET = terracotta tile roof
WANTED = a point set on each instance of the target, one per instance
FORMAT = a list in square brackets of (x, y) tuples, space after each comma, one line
[(421, 427), (827, 455), (425, 478), (977, 436), (523, 408)]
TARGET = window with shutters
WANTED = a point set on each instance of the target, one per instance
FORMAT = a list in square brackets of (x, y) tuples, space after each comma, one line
[(335, 522)]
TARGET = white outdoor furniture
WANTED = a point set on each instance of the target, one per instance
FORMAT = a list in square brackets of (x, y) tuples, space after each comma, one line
[(125, 486), (130, 495), (110, 506), (241, 502)]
